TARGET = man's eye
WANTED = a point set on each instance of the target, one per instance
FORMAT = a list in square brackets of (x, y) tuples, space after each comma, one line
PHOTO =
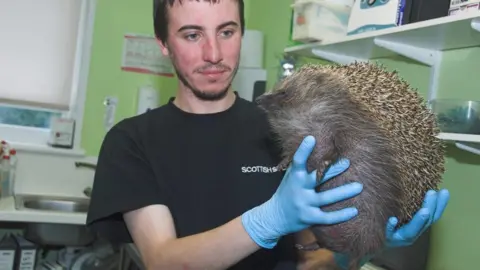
[(192, 37), (227, 33)]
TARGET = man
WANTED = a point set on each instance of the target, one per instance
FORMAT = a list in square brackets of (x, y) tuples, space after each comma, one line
[(193, 183)]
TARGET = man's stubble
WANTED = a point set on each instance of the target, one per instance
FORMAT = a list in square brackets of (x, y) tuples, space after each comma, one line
[(203, 95)]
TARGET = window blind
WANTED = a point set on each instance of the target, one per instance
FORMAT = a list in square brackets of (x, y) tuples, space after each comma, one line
[(38, 40)]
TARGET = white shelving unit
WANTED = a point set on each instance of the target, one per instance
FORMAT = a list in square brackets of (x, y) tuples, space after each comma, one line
[(422, 41)]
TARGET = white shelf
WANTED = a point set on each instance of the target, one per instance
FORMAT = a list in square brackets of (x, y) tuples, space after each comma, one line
[(426, 37), (466, 142), (459, 137)]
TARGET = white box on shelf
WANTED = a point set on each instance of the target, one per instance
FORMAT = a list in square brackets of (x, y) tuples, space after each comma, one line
[(377, 15), (463, 6), (320, 20)]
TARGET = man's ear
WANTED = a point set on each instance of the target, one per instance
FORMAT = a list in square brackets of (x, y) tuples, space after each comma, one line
[(163, 47)]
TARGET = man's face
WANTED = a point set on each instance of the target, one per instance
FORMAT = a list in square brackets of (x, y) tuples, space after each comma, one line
[(204, 42)]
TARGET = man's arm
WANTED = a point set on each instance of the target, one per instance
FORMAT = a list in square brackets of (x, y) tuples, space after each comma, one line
[(153, 232), (294, 207)]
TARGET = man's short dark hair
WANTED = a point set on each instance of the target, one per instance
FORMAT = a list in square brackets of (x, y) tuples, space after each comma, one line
[(160, 16)]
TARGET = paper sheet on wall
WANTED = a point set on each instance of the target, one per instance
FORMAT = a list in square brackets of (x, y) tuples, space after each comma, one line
[(142, 54)]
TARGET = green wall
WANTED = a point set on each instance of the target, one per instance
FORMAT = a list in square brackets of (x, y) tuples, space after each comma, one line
[(113, 19), (454, 236)]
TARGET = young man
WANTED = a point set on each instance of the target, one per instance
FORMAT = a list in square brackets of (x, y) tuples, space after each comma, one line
[(193, 183)]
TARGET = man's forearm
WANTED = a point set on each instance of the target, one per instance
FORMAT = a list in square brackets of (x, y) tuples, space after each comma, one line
[(219, 248)]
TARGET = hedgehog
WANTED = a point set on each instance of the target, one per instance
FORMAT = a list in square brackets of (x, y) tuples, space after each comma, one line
[(374, 118)]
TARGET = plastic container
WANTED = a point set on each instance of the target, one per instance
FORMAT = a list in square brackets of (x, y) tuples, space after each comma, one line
[(7, 170), (320, 20), (457, 116)]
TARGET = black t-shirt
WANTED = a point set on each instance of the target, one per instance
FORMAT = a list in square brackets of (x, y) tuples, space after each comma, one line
[(207, 168)]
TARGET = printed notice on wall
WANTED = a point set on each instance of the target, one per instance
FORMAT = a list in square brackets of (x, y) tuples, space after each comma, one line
[(142, 54)]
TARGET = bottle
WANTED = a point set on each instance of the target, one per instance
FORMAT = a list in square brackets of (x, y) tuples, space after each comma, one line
[(13, 169), (5, 176)]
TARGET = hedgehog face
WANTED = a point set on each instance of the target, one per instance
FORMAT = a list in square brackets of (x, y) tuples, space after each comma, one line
[(276, 100)]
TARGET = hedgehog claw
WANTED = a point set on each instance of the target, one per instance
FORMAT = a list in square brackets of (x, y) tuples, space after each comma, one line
[(308, 247), (319, 177), (283, 165)]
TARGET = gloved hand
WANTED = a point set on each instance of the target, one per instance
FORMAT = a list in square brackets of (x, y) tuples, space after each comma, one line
[(433, 207), (296, 205)]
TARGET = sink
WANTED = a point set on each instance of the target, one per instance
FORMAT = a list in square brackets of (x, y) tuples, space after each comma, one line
[(52, 203), (56, 205), (55, 234)]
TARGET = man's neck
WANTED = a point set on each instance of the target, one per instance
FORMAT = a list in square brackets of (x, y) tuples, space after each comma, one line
[(186, 101)]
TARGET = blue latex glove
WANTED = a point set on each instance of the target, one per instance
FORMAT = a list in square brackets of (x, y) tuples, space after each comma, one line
[(432, 209), (296, 205)]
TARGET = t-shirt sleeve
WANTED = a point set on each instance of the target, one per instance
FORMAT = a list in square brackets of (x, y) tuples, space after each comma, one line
[(124, 181)]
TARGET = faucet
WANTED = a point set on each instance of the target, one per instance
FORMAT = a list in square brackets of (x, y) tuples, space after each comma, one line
[(79, 164), (88, 190)]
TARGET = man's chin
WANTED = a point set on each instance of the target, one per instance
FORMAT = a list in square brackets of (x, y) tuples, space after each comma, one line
[(211, 94)]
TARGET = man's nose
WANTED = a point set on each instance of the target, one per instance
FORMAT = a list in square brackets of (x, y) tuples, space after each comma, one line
[(212, 51)]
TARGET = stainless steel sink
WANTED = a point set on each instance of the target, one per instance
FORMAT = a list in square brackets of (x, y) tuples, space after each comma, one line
[(52, 203), (54, 234)]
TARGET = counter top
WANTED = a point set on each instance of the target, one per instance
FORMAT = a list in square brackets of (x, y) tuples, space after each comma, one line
[(9, 213)]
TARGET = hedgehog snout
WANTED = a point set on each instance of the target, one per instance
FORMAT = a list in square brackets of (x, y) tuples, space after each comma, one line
[(264, 101)]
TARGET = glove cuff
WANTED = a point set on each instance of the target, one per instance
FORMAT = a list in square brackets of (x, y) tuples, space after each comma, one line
[(255, 222)]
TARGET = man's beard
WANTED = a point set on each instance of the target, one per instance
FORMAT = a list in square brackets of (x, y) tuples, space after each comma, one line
[(203, 95)]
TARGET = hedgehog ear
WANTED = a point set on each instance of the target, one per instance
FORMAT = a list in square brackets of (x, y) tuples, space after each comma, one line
[(281, 92)]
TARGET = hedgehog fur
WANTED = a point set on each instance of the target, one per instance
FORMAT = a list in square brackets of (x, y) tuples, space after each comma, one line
[(381, 124)]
